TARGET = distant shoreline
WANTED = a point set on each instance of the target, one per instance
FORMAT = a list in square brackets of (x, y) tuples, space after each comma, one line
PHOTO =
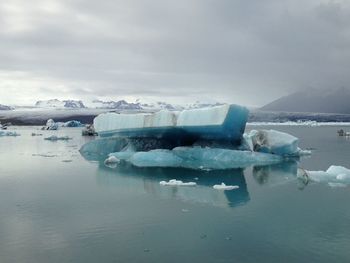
[(86, 116)]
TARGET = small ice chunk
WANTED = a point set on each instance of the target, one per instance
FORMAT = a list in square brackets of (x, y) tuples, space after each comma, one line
[(271, 141), (223, 186), (9, 133), (174, 182), (73, 123), (57, 138), (337, 185), (334, 176), (51, 125), (36, 134), (112, 159)]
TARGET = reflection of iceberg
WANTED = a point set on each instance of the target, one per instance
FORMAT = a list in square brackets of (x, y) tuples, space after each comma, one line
[(147, 179), (276, 174)]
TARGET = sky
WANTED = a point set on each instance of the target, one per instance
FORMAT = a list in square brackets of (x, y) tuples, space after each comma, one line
[(238, 51)]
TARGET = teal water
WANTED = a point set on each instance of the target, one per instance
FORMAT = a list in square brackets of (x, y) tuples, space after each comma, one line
[(57, 207)]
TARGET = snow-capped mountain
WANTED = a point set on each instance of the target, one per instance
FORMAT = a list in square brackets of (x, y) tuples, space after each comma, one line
[(4, 107), (159, 105), (140, 105), (118, 105), (199, 104), (55, 103)]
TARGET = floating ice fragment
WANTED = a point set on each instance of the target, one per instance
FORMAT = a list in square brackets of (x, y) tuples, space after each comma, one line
[(36, 134), (174, 182), (337, 185), (223, 186), (51, 125), (8, 133), (112, 159), (334, 176), (57, 138), (72, 123), (271, 141)]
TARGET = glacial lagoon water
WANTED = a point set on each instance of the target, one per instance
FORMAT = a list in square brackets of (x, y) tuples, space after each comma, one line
[(57, 207)]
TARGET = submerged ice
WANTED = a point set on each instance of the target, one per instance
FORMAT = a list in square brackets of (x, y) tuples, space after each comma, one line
[(197, 158)]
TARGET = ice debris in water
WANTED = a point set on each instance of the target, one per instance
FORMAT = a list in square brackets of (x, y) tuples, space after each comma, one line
[(51, 125), (112, 159), (198, 158), (333, 176), (271, 141), (8, 133), (223, 186), (72, 123), (36, 134), (57, 138), (174, 182)]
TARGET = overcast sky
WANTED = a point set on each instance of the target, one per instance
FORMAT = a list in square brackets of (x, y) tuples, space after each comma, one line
[(246, 51)]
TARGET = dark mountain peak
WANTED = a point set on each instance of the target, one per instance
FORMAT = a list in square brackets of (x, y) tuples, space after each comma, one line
[(335, 100)]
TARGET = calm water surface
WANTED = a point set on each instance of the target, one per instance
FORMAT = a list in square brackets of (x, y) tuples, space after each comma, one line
[(57, 207)]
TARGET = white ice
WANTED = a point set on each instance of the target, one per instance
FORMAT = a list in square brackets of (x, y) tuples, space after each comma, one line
[(164, 118), (272, 141), (225, 187), (8, 133), (112, 159), (174, 182), (334, 176)]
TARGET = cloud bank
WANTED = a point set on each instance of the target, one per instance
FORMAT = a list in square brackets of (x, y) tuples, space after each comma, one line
[(247, 52)]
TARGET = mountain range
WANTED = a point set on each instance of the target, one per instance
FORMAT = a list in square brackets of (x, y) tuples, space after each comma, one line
[(313, 101), (113, 105)]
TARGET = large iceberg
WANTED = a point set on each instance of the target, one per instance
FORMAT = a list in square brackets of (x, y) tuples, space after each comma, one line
[(207, 139)]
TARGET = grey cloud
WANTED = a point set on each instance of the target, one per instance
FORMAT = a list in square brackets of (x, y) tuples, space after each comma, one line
[(248, 52)]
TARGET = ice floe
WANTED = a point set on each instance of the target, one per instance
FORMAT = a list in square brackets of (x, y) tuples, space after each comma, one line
[(57, 138), (8, 133), (174, 182), (272, 141), (225, 187), (112, 159), (334, 176)]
